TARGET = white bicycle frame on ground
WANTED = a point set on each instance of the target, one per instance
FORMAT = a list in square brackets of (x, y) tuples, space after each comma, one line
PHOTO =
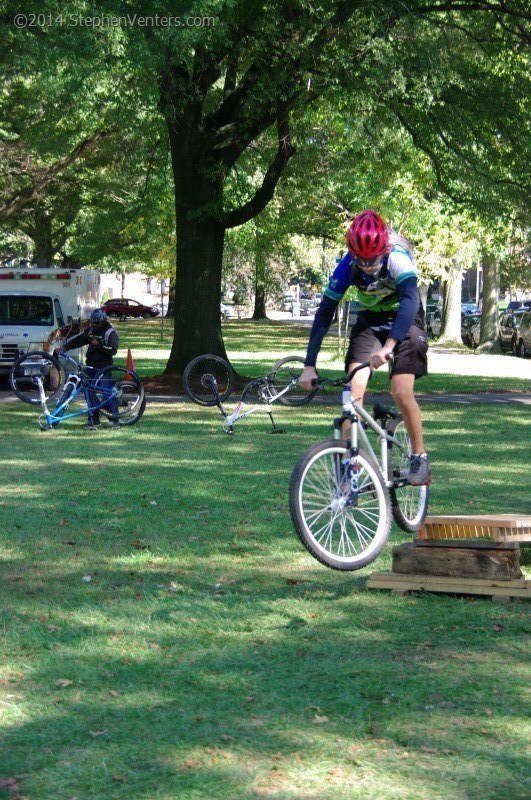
[(237, 414)]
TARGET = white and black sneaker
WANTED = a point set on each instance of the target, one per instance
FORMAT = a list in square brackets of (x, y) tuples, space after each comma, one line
[(419, 470)]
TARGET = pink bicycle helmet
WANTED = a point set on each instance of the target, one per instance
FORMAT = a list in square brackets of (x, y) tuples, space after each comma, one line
[(367, 236)]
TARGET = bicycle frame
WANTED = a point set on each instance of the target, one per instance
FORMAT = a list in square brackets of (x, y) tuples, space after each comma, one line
[(78, 383), (352, 411), (230, 419)]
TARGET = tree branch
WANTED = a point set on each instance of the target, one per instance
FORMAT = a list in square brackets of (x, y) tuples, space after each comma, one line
[(21, 199), (264, 194)]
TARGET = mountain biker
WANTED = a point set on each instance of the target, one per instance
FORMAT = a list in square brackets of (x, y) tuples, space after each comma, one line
[(102, 340), (380, 264)]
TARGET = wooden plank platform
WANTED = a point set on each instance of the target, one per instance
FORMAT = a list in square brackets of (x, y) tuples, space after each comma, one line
[(497, 527), (405, 583)]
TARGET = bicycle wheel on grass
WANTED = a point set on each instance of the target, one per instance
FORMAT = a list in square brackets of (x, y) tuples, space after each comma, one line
[(341, 536), (124, 392), (409, 503), (35, 371), (286, 372), (206, 375)]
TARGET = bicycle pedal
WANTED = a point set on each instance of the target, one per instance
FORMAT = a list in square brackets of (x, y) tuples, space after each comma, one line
[(278, 430)]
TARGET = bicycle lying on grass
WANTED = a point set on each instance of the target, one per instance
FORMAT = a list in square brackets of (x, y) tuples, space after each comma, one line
[(38, 378), (343, 497), (209, 380)]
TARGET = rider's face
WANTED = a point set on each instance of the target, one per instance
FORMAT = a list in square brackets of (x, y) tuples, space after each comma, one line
[(370, 265)]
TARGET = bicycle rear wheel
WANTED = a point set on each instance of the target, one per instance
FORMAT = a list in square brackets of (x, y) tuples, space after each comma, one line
[(35, 377), (286, 372), (409, 503), (122, 391), (208, 380), (339, 535)]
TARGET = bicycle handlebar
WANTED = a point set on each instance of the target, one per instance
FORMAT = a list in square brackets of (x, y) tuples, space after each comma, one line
[(344, 380)]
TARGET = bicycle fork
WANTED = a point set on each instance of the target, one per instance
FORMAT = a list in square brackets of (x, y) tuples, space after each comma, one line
[(349, 469)]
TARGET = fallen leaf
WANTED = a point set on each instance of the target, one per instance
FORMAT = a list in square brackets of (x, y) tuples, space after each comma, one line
[(488, 712), (320, 720), (63, 522), (67, 541), (226, 737), (9, 783), (98, 733), (428, 749), (64, 682), (140, 544)]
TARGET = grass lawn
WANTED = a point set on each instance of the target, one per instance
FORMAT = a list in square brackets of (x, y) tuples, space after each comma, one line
[(166, 636), (253, 348)]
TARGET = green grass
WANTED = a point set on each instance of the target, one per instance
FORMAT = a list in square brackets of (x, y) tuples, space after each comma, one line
[(166, 636), (253, 347)]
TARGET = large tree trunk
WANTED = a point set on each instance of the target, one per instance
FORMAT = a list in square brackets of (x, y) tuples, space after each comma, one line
[(489, 342), (200, 235), (41, 233), (259, 279), (451, 331)]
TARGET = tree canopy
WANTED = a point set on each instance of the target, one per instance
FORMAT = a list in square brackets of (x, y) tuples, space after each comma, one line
[(231, 89)]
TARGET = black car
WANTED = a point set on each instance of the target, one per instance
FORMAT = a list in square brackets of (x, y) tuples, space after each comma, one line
[(508, 329), (470, 324)]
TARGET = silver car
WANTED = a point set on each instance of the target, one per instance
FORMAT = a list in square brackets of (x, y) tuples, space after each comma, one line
[(523, 336), (508, 327)]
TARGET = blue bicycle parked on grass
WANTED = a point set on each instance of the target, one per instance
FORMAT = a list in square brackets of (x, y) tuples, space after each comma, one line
[(38, 378)]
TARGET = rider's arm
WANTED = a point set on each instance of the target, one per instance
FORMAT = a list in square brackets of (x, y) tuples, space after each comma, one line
[(407, 311), (321, 324), (109, 347), (79, 340), (337, 286)]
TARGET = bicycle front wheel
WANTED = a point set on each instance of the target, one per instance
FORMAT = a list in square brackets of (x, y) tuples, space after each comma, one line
[(340, 535), (208, 380), (409, 503), (122, 392), (36, 377), (286, 373)]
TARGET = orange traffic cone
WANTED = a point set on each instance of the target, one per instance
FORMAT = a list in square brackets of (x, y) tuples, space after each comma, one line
[(129, 362)]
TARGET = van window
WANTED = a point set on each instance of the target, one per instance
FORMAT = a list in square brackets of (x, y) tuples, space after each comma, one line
[(26, 310)]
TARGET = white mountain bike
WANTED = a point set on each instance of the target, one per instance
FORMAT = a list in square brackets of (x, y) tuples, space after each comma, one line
[(343, 496)]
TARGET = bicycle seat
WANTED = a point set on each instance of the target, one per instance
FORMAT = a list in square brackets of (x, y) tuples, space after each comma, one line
[(383, 412)]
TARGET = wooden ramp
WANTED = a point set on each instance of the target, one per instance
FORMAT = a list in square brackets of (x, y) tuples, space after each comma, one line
[(477, 555), (498, 527), (404, 584)]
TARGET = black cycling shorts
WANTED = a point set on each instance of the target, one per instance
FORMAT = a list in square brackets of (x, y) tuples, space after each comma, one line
[(410, 355)]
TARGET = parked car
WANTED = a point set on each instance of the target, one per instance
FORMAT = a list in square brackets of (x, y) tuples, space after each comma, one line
[(507, 329), (287, 301), (516, 304), (122, 307), (523, 336), (434, 324), (228, 312), (308, 308), (469, 329), (469, 308)]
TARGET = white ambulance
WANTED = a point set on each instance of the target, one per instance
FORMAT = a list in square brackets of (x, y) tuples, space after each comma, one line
[(42, 306)]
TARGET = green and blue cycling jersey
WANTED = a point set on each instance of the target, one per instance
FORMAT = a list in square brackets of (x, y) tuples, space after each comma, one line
[(389, 301)]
